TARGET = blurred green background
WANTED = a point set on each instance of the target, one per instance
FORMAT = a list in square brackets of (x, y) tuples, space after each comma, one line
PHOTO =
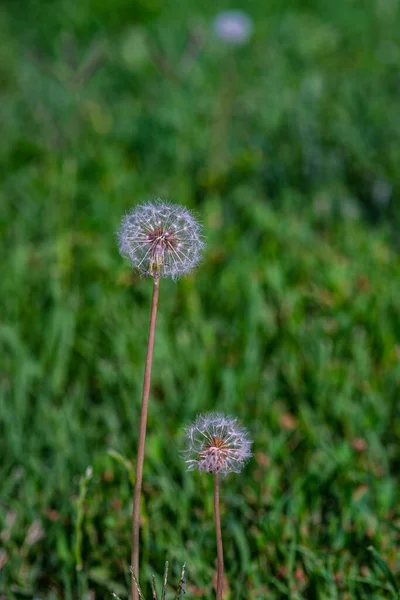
[(288, 148)]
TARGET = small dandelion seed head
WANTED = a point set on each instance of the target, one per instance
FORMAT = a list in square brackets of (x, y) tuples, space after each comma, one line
[(217, 443), (233, 27), (161, 239)]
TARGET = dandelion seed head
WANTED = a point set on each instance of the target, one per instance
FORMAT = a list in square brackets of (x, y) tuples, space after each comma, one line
[(217, 443), (233, 26), (161, 239)]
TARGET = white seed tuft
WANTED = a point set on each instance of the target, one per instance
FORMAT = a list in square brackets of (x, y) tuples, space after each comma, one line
[(216, 443), (161, 239)]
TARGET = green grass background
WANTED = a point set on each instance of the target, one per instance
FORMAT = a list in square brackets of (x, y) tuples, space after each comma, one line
[(288, 149)]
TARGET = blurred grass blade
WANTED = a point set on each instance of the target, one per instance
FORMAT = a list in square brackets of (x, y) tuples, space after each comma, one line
[(153, 587), (164, 590), (181, 583), (125, 462), (93, 60), (83, 487), (385, 569), (141, 597)]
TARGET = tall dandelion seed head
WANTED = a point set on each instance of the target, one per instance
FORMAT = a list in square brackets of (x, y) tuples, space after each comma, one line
[(161, 239), (217, 443)]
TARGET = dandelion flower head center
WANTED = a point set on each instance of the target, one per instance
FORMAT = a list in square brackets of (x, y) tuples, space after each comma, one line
[(217, 444), (161, 239), (213, 456)]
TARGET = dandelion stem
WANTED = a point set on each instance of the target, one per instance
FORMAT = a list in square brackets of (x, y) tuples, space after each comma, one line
[(222, 120), (220, 550), (142, 438)]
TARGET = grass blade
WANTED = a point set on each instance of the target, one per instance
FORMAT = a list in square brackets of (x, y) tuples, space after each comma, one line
[(141, 597), (124, 462), (164, 590), (153, 587), (83, 487), (181, 583), (385, 569)]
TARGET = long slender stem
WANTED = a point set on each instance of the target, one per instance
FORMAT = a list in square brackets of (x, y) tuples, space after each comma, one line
[(220, 550), (142, 438), (222, 121)]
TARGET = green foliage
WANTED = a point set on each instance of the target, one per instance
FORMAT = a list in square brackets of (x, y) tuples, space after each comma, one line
[(288, 150)]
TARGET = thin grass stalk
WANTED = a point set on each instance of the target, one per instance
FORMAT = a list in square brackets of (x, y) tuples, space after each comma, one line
[(135, 583), (219, 158), (220, 550), (181, 583), (80, 513), (164, 590), (153, 588), (142, 439)]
